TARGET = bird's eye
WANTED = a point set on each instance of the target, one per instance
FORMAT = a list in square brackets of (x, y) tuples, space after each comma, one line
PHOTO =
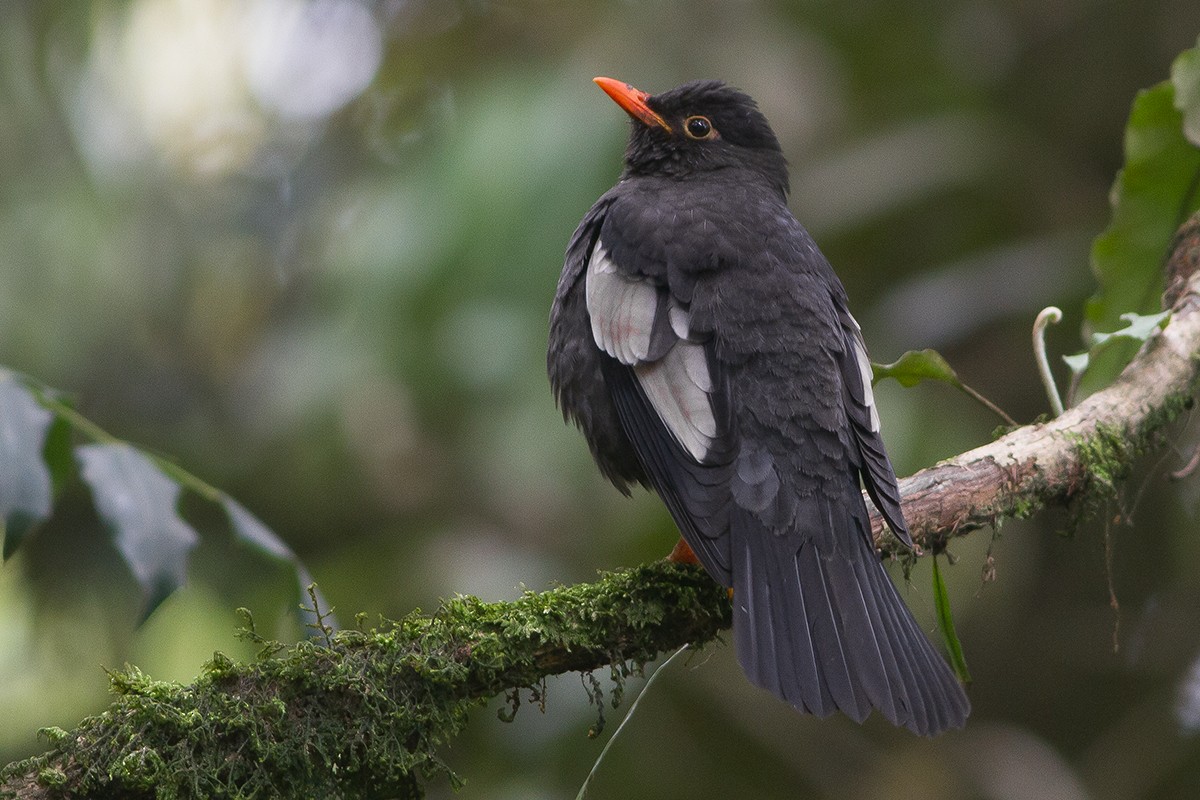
[(698, 128)]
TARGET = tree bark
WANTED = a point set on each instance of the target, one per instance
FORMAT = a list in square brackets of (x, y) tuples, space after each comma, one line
[(360, 713)]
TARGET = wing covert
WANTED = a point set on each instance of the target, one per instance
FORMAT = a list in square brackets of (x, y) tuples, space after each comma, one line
[(638, 322)]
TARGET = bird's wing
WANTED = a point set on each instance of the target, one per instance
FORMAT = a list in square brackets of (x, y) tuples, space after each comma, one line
[(859, 400), (672, 406)]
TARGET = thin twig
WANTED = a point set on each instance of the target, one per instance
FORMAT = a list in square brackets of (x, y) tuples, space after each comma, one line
[(628, 715), (1000, 412)]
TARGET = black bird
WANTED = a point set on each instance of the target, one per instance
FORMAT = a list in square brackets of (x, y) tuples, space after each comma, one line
[(704, 346)]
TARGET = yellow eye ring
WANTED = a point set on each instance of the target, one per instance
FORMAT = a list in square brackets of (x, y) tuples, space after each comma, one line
[(697, 127)]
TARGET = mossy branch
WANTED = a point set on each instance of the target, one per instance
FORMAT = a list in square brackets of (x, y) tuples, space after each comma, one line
[(360, 715)]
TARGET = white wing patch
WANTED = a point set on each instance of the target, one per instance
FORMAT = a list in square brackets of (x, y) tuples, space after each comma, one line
[(622, 309), (680, 321), (864, 369), (678, 384), (681, 402)]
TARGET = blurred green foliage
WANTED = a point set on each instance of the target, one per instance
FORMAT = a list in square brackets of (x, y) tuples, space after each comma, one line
[(327, 295), (1156, 190)]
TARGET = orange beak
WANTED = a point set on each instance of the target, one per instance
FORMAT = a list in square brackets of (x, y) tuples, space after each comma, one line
[(633, 101)]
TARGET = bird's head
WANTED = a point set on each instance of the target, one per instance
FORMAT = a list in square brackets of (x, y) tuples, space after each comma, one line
[(695, 129)]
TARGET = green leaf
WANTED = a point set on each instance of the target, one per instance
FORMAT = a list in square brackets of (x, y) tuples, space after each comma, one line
[(916, 366), (1185, 77), (252, 531), (1139, 328), (59, 454), (1077, 363), (139, 504), (1153, 194), (26, 484), (941, 601)]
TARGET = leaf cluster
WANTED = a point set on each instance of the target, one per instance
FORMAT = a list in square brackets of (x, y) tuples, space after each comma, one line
[(135, 493)]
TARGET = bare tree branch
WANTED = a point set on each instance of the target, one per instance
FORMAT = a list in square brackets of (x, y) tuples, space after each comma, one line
[(360, 714)]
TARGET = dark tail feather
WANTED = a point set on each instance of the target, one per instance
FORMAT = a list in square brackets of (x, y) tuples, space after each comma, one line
[(781, 656), (836, 654), (824, 628)]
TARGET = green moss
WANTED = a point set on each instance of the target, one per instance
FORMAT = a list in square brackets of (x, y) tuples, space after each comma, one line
[(1024, 504), (1152, 432), (362, 715), (52, 776), (1107, 456)]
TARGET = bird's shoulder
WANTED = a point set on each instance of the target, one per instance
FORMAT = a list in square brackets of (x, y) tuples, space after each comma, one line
[(662, 227)]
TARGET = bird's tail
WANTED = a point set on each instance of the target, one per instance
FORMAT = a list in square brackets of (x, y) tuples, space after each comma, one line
[(819, 623)]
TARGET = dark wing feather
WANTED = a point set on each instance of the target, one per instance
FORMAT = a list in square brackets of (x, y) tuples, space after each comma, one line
[(877, 473), (574, 362), (694, 493)]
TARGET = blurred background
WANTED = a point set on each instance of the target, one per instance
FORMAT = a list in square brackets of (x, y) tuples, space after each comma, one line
[(307, 249)]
